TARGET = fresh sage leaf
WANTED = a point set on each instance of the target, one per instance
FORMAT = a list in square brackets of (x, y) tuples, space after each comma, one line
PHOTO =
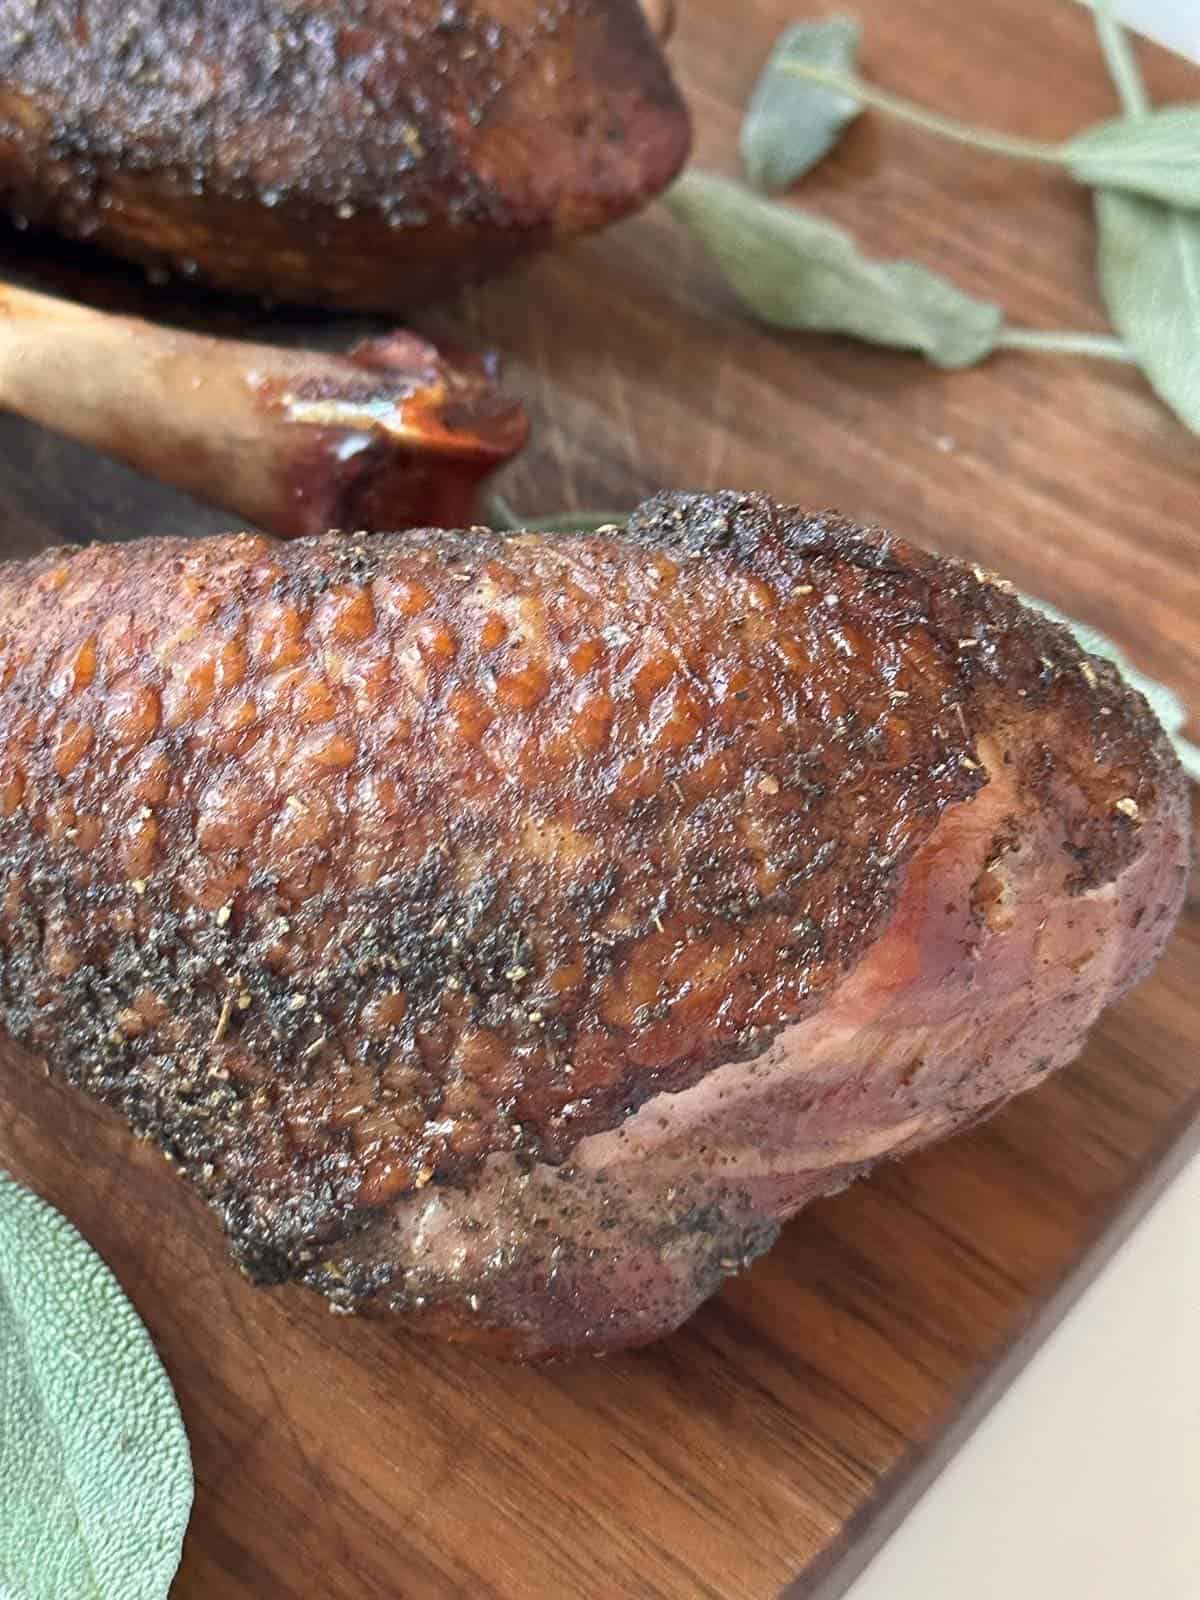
[(1120, 59), (1164, 702), (95, 1471), (791, 124), (794, 270), (1155, 154), (1149, 260)]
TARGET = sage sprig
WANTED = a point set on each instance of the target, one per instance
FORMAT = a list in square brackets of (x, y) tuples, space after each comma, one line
[(1149, 267), (1149, 256), (796, 271), (95, 1471), (1120, 60), (831, 81), (1155, 154), (790, 125), (793, 270)]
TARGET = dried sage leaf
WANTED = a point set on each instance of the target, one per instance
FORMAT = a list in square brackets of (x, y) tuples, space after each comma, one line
[(1149, 262), (1155, 154), (791, 124), (794, 270), (95, 1471)]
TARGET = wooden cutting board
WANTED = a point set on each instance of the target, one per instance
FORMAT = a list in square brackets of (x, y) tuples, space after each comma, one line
[(771, 1444)]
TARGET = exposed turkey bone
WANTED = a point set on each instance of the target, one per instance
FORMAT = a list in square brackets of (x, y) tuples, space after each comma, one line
[(296, 441)]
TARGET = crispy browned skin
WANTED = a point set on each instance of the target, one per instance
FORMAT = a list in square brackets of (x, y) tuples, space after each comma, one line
[(340, 867), (357, 153)]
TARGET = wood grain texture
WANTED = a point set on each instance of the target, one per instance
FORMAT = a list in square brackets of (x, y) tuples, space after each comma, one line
[(772, 1443)]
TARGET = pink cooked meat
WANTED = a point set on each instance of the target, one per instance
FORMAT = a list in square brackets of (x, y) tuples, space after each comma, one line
[(510, 932)]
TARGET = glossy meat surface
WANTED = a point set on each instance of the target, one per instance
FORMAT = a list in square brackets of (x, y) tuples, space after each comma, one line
[(394, 433), (383, 882), (361, 153)]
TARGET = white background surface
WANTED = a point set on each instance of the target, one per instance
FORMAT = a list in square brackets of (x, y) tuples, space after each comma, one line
[(1172, 22), (1084, 1481)]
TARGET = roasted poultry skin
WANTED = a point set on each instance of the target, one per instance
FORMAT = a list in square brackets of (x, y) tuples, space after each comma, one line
[(510, 931), (357, 153)]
